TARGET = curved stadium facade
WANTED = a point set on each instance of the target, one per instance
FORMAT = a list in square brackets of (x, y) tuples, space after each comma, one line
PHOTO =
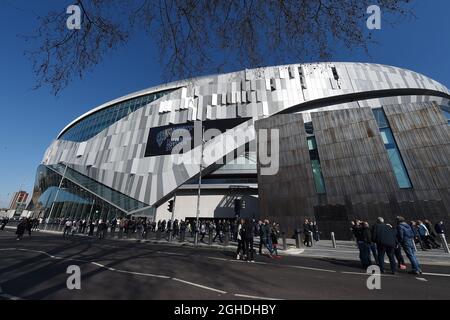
[(355, 140)]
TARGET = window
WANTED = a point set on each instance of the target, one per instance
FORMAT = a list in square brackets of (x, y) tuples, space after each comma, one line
[(99, 121), (395, 158), (446, 113), (315, 165), (319, 182)]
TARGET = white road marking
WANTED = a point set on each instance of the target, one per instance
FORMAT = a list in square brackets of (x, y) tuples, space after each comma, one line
[(98, 265), (313, 269), (281, 265), (143, 274), (170, 253), (365, 274), (199, 285), (255, 297), (124, 271), (422, 279), (436, 274)]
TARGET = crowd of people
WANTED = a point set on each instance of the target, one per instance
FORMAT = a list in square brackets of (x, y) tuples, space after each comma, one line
[(374, 242), (241, 231), (24, 225), (383, 239), (222, 231)]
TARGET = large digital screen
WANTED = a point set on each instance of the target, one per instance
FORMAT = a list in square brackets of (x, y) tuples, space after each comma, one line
[(160, 142)]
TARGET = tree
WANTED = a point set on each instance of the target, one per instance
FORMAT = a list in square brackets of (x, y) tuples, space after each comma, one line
[(200, 36)]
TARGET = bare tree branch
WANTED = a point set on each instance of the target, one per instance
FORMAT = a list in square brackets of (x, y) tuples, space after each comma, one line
[(202, 36)]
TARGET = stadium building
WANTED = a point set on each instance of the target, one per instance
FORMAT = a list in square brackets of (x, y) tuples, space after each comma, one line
[(354, 140)]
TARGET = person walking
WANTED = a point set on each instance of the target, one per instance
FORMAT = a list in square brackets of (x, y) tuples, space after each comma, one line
[(91, 228), (424, 235), (398, 253), (248, 234), (21, 227), (4, 223), (405, 236), (29, 226), (316, 232), (182, 230), (384, 237), (240, 252), (264, 237), (275, 234), (307, 233), (432, 237), (363, 238), (67, 228), (439, 228), (372, 245), (202, 231), (113, 227), (219, 229)]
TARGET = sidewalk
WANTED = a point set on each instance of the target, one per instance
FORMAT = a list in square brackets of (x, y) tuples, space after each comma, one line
[(346, 250)]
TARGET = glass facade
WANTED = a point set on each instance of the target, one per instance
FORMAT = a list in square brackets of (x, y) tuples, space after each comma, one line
[(74, 200), (120, 200), (319, 182), (315, 165), (400, 172), (446, 113), (99, 121)]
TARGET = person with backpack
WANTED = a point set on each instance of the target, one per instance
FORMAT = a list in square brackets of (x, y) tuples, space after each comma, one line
[(405, 236)]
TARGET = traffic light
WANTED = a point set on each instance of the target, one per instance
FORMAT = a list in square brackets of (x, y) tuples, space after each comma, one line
[(237, 206), (170, 209)]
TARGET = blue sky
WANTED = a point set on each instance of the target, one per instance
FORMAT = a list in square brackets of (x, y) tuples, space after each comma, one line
[(31, 119)]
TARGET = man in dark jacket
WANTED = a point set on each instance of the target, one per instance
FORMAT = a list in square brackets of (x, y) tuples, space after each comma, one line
[(432, 236), (384, 236), (248, 233), (307, 231), (405, 236)]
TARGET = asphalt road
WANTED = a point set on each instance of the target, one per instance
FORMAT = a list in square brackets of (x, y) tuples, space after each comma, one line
[(36, 269)]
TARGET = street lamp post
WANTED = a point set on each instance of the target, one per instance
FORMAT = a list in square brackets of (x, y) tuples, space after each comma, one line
[(56, 197), (199, 188), (172, 219)]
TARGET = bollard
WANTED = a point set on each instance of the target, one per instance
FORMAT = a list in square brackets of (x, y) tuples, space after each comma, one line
[(311, 237), (283, 235), (298, 239), (170, 235), (333, 240), (158, 234), (196, 240), (210, 238), (227, 239), (444, 243)]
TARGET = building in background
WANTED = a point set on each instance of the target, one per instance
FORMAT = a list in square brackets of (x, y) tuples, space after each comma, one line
[(19, 201), (356, 140)]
